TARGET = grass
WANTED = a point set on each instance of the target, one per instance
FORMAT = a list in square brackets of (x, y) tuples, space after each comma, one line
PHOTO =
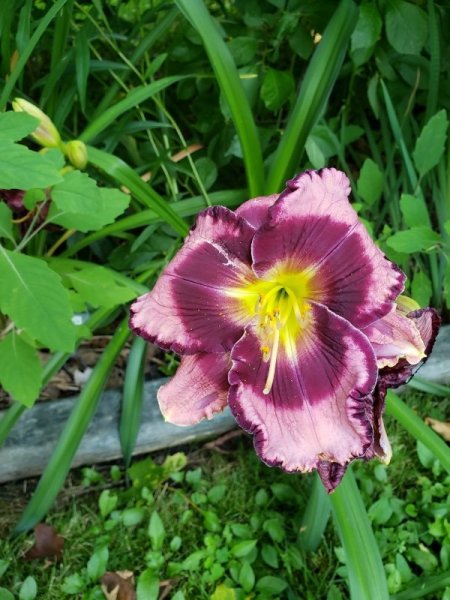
[(227, 519)]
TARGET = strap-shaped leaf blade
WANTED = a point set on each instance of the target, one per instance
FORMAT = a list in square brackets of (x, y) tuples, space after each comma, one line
[(366, 574), (320, 77), (82, 413), (228, 79)]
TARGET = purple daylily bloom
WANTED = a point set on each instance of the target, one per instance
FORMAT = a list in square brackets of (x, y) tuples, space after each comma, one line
[(285, 310)]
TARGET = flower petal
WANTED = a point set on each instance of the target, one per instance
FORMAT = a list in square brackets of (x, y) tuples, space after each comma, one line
[(188, 310), (312, 226), (315, 410), (393, 337), (197, 391), (427, 322), (255, 211)]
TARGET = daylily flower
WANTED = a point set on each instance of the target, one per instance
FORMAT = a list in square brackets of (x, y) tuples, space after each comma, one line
[(285, 310)]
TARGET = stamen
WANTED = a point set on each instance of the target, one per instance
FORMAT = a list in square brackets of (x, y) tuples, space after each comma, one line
[(273, 362)]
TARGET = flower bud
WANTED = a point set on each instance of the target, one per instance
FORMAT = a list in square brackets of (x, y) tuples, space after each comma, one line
[(46, 133), (76, 152)]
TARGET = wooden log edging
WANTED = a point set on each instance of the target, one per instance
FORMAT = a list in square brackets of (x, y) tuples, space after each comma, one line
[(30, 445)]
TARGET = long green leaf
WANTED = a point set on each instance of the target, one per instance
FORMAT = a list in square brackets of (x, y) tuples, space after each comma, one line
[(156, 32), (143, 192), (429, 387), (417, 428), (318, 82), (69, 440), (315, 517), (184, 208), (365, 569), (135, 97), (133, 396), (228, 79), (424, 587), (26, 53)]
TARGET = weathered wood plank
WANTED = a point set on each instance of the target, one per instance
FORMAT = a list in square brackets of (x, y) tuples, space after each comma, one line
[(31, 443)]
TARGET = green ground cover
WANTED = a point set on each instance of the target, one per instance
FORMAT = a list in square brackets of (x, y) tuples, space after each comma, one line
[(207, 522)]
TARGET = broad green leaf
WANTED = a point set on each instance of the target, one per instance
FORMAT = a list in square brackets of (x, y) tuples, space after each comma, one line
[(421, 289), (148, 585), (243, 548), (271, 586), (414, 211), (247, 577), (6, 226), (16, 358), (207, 171), (319, 146), (243, 49), (406, 27), (33, 296), (16, 125), (366, 33), (96, 566), (5, 594), (22, 169), (370, 182), (416, 239), (97, 285), (79, 204), (276, 88), (156, 531), (223, 593), (107, 502), (28, 589), (430, 144)]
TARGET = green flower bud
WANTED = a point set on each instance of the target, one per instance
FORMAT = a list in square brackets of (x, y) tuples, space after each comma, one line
[(76, 152), (46, 133)]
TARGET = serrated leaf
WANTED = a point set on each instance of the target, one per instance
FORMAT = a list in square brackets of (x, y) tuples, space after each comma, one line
[(430, 144), (33, 296), (276, 88), (16, 125), (6, 226), (16, 358), (22, 169), (406, 27), (79, 204), (414, 211), (96, 285), (370, 182), (416, 239)]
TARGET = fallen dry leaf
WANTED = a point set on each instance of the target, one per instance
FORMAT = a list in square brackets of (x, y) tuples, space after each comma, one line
[(48, 544), (439, 427), (118, 585)]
